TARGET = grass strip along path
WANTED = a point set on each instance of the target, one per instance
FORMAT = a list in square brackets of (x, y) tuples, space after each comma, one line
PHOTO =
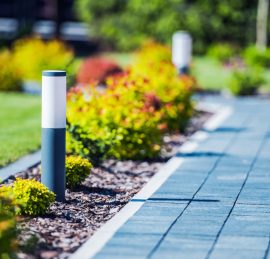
[(19, 126)]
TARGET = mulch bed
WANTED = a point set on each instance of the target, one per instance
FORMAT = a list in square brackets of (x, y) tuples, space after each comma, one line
[(109, 187)]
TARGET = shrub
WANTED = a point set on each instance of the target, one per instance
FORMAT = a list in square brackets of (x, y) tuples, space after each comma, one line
[(8, 230), (255, 57), (77, 169), (245, 82), (10, 76), (96, 69), (222, 52), (113, 123), (33, 55), (33, 196), (128, 120), (153, 61)]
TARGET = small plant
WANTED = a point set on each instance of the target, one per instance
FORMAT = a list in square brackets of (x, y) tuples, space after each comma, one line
[(33, 196), (255, 57), (77, 169), (222, 52), (96, 69), (8, 222), (10, 76), (245, 82)]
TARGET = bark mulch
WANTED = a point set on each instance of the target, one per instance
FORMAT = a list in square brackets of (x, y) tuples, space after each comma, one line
[(108, 188)]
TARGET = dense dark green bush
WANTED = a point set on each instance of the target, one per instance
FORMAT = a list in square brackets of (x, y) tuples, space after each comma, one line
[(255, 57), (245, 82), (126, 23), (77, 169)]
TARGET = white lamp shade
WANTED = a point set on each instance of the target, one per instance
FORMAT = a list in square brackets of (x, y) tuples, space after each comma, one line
[(181, 49), (53, 101)]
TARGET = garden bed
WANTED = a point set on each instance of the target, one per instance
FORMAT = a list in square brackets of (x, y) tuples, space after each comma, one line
[(109, 187)]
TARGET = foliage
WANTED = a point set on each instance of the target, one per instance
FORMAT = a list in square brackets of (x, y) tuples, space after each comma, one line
[(126, 24), (33, 196), (96, 70), (77, 169), (255, 57), (222, 52), (113, 123), (10, 76), (153, 61), (129, 118), (8, 230), (245, 82), (32, 55)]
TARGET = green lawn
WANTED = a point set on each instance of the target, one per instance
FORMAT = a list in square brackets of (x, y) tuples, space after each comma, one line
[(19, 126), (210, 74)]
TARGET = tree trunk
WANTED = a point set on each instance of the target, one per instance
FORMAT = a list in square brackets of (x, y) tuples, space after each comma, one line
[(262, 21)]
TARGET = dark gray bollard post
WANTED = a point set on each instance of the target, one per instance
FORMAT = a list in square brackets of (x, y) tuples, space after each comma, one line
[(181, 51), (53, 150)]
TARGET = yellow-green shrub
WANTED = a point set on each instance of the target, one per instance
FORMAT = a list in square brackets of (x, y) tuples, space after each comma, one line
[(32, 55), (33, 196), (77, 169), (10, 76), (113, 123), (153, 61), (8, 230), (128, 119)]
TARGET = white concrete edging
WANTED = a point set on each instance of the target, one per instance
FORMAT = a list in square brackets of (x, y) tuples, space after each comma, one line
[(95, 243)]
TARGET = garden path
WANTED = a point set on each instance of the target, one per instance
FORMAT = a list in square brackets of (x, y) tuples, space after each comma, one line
[(216, 204)]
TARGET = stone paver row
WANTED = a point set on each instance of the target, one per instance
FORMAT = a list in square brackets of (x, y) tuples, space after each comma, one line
[(216, 204)]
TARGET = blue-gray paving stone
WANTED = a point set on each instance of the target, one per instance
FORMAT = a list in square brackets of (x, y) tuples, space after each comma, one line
[(247, 225), (237, 254), (251, 209), (260, 196), (138, 245), (242, 242), (208, 209), (188, 227), (180, 254), (216, 203), (110, 255), (141, 227), (158, 208)]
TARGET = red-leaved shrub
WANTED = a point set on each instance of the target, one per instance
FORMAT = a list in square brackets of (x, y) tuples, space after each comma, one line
[(96, 69)]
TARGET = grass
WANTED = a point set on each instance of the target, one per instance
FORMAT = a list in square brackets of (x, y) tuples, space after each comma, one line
[(210, 74), (20, 126)]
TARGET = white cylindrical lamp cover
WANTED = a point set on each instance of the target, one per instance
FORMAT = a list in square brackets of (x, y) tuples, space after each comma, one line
[(181, 49), (53, 150)]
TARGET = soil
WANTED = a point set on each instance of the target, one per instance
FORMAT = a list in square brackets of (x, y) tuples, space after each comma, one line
[(108, 188)]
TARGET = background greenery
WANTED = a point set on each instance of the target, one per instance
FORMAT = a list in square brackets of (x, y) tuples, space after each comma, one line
[(124, 24)]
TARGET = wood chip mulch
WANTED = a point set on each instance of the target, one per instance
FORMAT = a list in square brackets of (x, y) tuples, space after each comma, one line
[(108, 188)]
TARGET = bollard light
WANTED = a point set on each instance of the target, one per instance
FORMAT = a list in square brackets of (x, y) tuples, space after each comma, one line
[(181, 51), (53, 150)]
